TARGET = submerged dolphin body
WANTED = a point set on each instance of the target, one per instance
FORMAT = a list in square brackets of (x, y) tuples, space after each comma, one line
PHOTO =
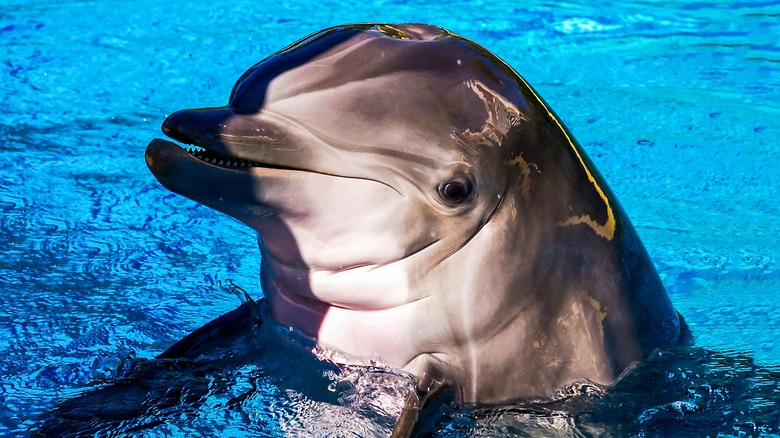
[(419, 204)]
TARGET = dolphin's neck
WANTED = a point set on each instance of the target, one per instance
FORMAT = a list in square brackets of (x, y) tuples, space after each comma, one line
[(378, 334), (290, 307)]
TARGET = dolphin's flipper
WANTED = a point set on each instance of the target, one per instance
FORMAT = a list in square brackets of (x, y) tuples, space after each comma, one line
[(121, 407), (219, 333), (175, 381), (422, 409)]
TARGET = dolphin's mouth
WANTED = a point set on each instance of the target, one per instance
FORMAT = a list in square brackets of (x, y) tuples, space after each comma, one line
[(221, 160), (218, 138), (216, 159)]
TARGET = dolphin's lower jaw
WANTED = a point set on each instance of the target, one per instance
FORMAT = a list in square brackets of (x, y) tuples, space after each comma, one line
[(225, 183), (165, 158), (187, 174), (162, 152)]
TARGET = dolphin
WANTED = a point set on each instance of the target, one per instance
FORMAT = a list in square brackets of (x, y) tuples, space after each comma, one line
[(419, 205)]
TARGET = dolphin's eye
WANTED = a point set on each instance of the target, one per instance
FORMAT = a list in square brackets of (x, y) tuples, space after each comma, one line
[(455, 191)]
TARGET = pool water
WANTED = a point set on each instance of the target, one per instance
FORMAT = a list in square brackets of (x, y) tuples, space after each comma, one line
[(676, 102)]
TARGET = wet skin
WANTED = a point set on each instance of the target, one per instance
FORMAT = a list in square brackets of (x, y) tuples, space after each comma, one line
[(418, 203)]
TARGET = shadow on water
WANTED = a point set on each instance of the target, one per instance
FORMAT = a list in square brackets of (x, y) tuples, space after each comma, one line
[(241, 375), (238, 373)]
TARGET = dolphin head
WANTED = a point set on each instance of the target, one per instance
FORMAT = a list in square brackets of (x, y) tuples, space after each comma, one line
[(415, 200), (357, 147)]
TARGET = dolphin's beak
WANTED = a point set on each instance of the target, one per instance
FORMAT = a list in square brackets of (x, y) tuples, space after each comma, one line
[(200, 127), (230, 154), (259, 138)]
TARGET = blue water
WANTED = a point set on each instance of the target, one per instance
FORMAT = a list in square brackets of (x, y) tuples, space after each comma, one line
[(677, 103)]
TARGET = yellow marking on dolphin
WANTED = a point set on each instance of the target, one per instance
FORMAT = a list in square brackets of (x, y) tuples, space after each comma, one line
[(525, 173), (607, 230), (392, 31)]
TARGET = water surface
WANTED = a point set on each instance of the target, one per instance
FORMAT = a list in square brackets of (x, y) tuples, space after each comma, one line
[(677, 103)]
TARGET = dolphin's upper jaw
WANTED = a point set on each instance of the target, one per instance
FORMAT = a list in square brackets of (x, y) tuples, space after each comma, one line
[(197, 133), (197, 146), (210, 136)]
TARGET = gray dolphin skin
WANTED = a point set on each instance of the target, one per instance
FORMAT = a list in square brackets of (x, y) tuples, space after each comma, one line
[(418, 204)]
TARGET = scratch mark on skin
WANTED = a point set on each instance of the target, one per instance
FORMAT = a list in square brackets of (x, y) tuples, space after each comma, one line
[(525, 174), (601, 312), (502, 116)]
